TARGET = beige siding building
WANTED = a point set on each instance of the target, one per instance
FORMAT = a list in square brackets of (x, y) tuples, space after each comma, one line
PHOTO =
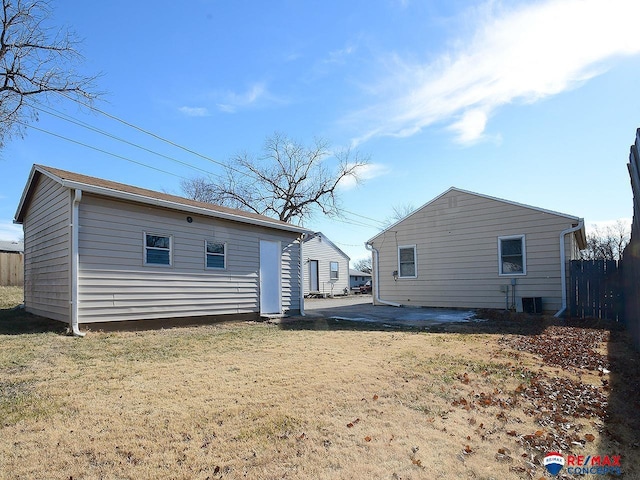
[(100, 251), (468, 250), (326, 267)]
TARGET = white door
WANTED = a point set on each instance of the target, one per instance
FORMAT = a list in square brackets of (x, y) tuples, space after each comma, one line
[(313, 275), (270, 282)]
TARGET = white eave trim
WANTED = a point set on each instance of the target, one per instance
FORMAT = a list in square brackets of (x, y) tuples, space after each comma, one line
[(108, 192), (489, 197)]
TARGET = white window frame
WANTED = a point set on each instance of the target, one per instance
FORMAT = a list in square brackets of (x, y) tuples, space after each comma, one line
[(145, 248), (415, 261), (337, 270), (522, 239), (224, 255)]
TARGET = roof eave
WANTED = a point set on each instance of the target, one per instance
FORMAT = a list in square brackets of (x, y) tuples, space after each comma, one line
[(19, 215), (179, 206), (109, 192)]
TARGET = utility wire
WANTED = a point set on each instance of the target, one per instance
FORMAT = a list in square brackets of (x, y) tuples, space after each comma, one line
[(193, 152), (68, 118), (99, 149), (156, 136)]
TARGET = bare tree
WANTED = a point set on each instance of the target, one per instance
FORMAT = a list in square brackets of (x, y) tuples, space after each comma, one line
[(35, 61), (607, 243), (363, 265), (289, 181)]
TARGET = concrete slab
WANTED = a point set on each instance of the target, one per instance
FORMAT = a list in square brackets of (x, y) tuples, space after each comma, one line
[(360, 308)]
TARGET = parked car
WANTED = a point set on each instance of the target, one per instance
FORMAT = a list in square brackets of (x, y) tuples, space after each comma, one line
[(366, 288)]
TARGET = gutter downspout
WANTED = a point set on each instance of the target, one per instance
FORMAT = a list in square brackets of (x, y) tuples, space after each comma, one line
[(301, 275), (75, 257), (376, 291), (563, 266)]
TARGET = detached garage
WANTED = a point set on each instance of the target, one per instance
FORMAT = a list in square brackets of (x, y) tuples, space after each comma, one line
[(101, 251)]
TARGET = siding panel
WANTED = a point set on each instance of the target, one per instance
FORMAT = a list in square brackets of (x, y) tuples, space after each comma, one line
[(46, 251), (456, 237), (116, 285)]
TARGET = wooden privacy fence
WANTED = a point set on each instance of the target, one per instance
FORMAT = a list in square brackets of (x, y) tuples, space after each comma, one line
[(631, 255), (11, 269), (596, 289)]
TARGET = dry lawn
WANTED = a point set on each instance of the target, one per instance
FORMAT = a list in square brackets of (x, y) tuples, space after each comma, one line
[(304, 400)]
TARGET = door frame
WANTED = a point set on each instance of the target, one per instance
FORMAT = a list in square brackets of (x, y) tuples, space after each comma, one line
[(311, 276), (270, 276)]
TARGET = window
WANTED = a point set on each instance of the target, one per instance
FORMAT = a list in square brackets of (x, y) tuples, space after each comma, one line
[(512, 259), (407, 262), (215, 255), (333, 270), (157, 249)]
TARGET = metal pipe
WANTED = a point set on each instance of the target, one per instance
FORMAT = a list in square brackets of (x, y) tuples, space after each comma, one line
[(376, 277), (75, 260), (563, 266)]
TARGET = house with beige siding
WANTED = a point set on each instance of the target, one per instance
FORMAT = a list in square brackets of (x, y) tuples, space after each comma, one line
[(101, 251), (326, 267), (467, 250)]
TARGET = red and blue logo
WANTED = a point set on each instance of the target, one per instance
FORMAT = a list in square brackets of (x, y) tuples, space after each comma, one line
[(583, 464), (553, 462)]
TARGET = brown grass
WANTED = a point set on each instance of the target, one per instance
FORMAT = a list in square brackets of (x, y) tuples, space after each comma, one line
[(258, 401), (10, 297)]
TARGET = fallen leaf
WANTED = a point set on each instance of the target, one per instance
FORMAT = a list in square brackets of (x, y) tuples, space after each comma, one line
[(367, 438), (589, 437), (467, 449), (375, 397)]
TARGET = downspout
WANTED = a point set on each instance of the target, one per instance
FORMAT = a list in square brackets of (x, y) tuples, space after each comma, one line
[(563, 266), (301, 275), (75, 260), (376, 272)]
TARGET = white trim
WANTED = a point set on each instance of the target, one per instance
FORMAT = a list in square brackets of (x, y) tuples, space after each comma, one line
[(337, 270), (415, 261), (563, 265), (324, 238), (375, 276), (75, 262), (174, 205), (224, 255), (459, 190), (523, 241), (144, 250)]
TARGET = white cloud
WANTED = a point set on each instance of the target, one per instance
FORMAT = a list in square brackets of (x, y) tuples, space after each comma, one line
[(365, 172), (515, 54), (10, 231), (256, 94), (194, 111)]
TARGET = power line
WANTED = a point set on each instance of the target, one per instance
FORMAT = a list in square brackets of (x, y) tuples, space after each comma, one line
[(193, 152), (99, 149), (68, 118), (156, 136)]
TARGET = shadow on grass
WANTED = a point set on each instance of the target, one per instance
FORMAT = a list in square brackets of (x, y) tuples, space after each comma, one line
[(623, 413), (16, 321)]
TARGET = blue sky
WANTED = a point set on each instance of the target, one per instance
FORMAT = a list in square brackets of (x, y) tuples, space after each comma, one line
[(532, 101)]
